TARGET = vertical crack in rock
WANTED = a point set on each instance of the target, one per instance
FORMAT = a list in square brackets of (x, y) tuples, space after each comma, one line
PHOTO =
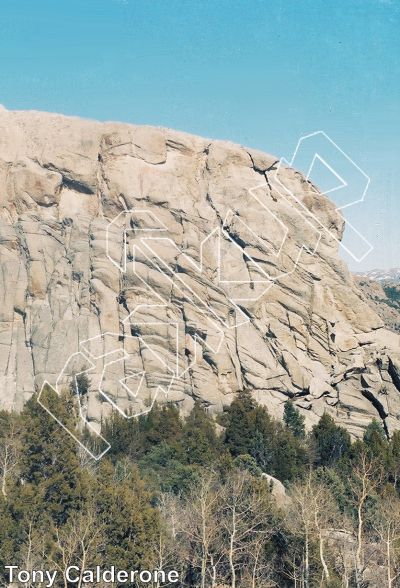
[(394, 373)]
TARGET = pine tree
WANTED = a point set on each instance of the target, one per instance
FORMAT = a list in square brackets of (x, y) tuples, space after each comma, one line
[(123, 434), (171, 425), (162, 424), (290, 456), (294, 420), (49, 465), (9, 543), (239, 430), (262, 451), (332, 441), (199, 436), (132, 525), (375, 439), (80, 384), (247, 463)]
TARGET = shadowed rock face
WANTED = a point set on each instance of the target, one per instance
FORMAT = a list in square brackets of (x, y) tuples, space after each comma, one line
[(298, 328)]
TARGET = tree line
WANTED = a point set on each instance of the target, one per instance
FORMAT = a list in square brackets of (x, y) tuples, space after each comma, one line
[(192, 494)]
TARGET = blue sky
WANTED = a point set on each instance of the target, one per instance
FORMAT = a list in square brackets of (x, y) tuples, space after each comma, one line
[(261, 73)]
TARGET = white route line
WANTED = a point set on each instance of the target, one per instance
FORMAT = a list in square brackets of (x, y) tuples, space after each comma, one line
[(283, 161)]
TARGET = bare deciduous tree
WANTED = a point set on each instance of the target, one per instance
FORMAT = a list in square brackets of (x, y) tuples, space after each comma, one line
[(9, 454), (168, 551), (199, 523), (387, 527), (33, 547), (312, 514), (78, 542), (245, 523), (301, 520), (366, 477)]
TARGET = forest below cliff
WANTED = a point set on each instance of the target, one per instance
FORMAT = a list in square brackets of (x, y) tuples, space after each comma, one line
[(189, 494)]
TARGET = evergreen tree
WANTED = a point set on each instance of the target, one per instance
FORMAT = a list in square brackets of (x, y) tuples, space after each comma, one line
[(239, 430), (290, 456), (80, 383), (132, 524), (375, 439), (171, 425), (49, 465), (9, 539), (263, 439), (161, 424), (332, 441), (294, 420), (199, 436), (262, 451), (247, 463), (165, 469), (123, 434)]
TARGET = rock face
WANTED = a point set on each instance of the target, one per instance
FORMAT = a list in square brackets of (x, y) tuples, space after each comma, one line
[(141, 255)]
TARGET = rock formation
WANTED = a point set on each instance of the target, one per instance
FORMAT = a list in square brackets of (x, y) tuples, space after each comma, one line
[(180, 258)]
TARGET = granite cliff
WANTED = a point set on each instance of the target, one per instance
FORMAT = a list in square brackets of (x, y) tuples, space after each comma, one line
[(179, 259)]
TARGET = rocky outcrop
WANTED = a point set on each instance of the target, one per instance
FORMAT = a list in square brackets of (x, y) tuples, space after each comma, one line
[(278, 491), (180, 257)]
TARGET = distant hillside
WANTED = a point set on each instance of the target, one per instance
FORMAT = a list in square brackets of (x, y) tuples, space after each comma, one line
[(383, 298), (391, 275)]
